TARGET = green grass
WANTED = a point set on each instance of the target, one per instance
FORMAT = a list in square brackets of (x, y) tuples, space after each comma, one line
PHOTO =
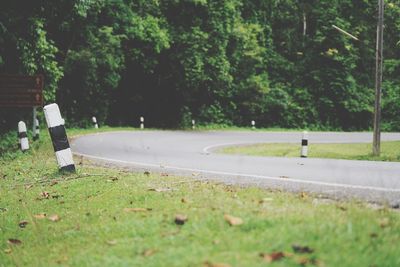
[(94, 229), (390, 151)]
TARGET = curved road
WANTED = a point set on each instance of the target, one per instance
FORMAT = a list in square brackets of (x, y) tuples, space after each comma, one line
[(191, 153)]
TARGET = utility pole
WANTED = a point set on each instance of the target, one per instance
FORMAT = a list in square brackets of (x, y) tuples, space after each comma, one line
[(376, 149)]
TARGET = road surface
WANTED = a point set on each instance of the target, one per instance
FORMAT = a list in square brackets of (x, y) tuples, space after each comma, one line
[(193, 153)]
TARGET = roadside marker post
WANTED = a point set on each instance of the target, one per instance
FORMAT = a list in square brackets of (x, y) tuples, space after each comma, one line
[(36, 130), (304, 145), (23, 137), (58, 135), (193, 124), (95, 125), (253, 125), (141, 123), (35, 125)]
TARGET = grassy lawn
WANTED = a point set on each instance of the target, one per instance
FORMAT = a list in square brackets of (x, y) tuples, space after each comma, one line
[(390, 151), (105, 217)]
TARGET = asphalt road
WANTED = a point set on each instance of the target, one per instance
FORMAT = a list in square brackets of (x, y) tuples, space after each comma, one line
[(191, 153)]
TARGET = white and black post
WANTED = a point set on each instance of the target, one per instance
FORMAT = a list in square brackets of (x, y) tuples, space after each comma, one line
[(95, 125), (193, 124), (141, 123), (304, 145), (23, 137), (55, 123), (253, 125)]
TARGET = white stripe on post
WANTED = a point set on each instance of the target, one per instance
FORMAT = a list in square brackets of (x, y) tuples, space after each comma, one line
[(304, 145), (95, 125), (141, 123), (55, 123), (23, 137), (193, 124)]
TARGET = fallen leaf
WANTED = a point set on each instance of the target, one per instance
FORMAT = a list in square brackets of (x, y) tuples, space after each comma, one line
[(180, 219), (111, 242), (303, 195), (164, 174), (233, 221), (13, 241), (28, 186), (302, 249), (274, 256), (53, 183), (210, 264), (148, 252), (23, 224), (160, 189), (268, 199), (40, 216), (44, 194), (54, 218), (384, 222), (7, 250), (135, 209), (195, 174)]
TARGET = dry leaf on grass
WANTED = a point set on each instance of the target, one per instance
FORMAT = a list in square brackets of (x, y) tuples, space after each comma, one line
[(274, 256), (149, 252), (302, 249), (40, 216), (180, 219), (7, 250), (384, 222), (45, 194), (22, 224), (160, 189), (13, 241), (210, 264), (233, 221), (136, 209), (54, 218), (111, 242)]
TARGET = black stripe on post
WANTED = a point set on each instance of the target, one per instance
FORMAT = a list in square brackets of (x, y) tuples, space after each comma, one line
[(59, 138), (304, 142), (68, 168), (22, 135)]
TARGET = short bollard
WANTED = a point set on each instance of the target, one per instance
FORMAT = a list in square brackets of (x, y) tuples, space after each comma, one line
[(193, 124), (95, 125), (304, 145), (253, 125), (141, 123), (55, 123), (36, 130), (23, 137)]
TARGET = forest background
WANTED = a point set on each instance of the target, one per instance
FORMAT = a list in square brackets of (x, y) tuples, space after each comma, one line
[(278, 62)]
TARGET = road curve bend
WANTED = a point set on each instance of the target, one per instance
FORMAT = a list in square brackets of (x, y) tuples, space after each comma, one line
[(191, 153)]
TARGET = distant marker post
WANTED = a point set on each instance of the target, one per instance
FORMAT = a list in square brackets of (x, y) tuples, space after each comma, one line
[(95, 125), (193, 124), (23, 137), (141, 123), (304, 145), (253, 125)]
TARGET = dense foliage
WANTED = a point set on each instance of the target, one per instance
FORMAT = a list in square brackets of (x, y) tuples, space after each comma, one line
[(279, 62)]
